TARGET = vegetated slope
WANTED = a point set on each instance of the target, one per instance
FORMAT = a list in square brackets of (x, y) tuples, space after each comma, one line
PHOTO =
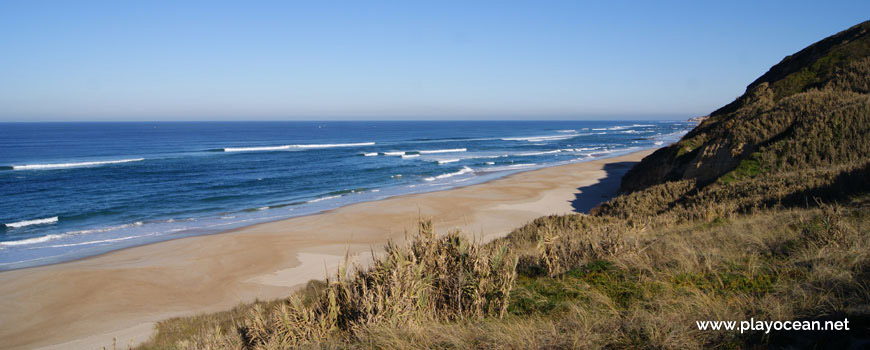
[(810, 110), (762, 211)]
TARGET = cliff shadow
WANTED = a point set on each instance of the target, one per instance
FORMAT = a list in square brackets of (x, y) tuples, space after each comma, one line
[(589, 197)]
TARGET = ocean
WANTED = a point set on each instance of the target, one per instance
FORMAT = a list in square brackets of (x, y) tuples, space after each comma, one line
[(72, 190)]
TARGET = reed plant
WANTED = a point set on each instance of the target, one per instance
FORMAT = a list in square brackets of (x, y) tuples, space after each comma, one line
[(433, 279)]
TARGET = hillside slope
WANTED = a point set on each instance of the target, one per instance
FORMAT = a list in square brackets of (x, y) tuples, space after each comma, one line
[(810, 110)]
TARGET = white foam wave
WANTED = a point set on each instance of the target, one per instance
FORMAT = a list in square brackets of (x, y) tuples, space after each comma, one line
[(537, 153), (464, 170), (659, 143), (541, 138), (333, 145), (621, 127), (50, 220), (410, 155), (34, 240), (104, 229), (256, 149), (72, 165), (101, 241), (486, 156), (285, 147), (370, 154), (434, 151), (567, 131), (512, 167), (323, 199), (608, 151), (52, 237), (446, 161), (395, 153)]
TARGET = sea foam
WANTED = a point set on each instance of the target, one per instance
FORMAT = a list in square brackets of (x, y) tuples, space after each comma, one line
[(541, 138), (511, 167), (434, 151), (537, 153), (52, 237), (50, 220), (34, 240), (286, 147), (323, 198), (73, 165), (464, 170)]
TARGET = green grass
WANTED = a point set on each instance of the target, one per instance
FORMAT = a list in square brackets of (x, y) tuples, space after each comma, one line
[(689, 146), (727, 281), (536, 294), (748, 168)]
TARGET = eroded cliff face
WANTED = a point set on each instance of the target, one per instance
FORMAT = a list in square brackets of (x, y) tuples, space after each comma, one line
[(795, 99)]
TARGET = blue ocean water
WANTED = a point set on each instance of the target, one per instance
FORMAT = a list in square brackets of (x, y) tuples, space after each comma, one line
[(71, 190)]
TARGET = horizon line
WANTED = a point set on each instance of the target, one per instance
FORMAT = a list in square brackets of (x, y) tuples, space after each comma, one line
[(334, 120)]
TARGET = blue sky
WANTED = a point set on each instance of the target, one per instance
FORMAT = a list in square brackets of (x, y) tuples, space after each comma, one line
[(262, 60)]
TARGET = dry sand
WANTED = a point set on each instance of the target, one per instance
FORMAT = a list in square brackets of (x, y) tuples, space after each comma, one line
[(84, 304)]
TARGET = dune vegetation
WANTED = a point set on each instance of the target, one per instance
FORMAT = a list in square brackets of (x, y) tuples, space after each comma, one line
[(762, 212)]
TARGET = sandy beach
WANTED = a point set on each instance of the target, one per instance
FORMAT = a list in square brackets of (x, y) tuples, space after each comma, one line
[(86, 303)]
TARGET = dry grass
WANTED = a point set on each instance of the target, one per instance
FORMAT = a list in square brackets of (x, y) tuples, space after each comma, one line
[(432, 280), (583, 282)]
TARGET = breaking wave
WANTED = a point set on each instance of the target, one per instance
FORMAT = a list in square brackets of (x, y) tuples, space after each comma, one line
[(537, 153), (464, 170), (434, 151), (541, 138), (286, 147), (72, 165), (23, 223), (52, 237)]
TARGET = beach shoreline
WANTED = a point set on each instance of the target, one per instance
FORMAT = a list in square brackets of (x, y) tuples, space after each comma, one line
[(86, 303)]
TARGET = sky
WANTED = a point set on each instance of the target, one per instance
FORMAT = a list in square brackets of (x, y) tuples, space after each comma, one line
[(334, 60)]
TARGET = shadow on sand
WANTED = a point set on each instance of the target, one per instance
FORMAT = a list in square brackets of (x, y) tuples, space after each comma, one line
[(590, 196)]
